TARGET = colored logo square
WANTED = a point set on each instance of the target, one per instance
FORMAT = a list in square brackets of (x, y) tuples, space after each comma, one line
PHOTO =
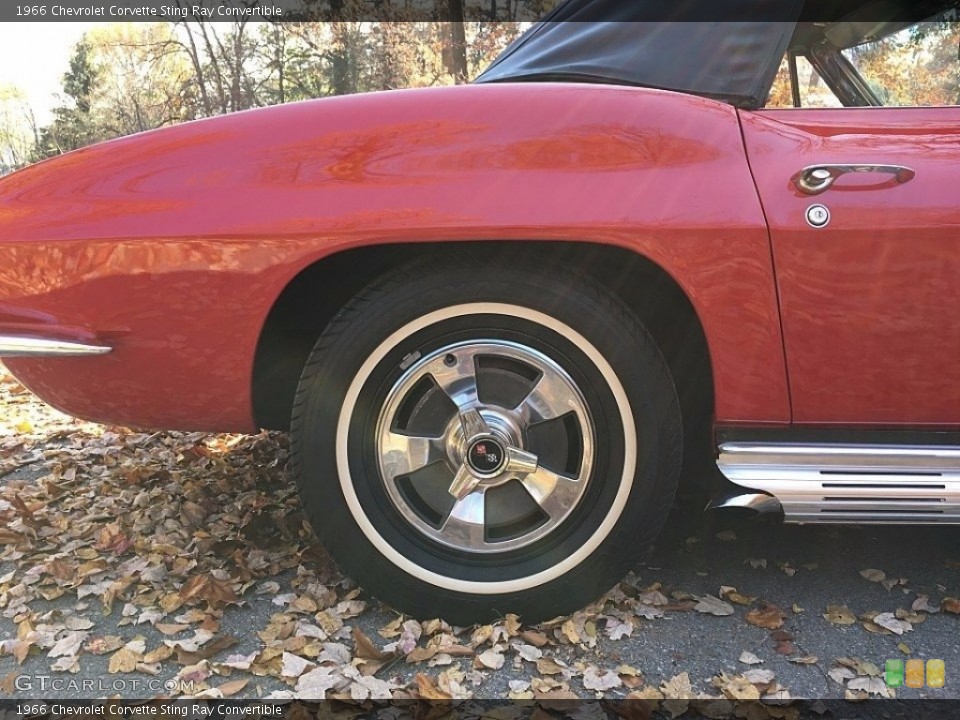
[(936, 673), (893, 673), (914, 674)]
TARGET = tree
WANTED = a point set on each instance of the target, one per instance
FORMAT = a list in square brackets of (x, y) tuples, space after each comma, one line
[(73, 126), (18, 130), (143, 79), (457, 48)]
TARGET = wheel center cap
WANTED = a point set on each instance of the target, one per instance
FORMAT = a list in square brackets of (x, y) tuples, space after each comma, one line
[(486, 456)]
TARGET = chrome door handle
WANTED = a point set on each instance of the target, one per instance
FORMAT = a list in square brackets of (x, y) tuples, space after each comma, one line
[(814, 179)]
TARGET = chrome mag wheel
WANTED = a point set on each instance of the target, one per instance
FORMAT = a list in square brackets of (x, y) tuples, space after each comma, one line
[(485, 446)]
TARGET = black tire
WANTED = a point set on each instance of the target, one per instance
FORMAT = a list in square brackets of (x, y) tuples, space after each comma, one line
[(623, 381)]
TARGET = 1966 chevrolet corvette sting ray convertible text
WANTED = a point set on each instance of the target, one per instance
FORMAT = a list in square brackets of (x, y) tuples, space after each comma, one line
[(502, 321)]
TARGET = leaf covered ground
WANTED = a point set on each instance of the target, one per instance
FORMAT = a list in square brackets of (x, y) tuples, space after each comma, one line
[(131, 558)]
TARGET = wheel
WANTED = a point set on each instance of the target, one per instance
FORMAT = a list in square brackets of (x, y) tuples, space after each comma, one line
[(472, 438)]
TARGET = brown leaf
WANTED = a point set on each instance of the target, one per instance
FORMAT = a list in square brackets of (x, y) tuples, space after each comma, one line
[(549, 666), (171, 628), (569, 630), (233, 687), (731, 594), (950, 605), (124, 660), (112, 538), (840, 615), (207, 651), (419, 654), (767, 616), (535, 638), (428, 689), (104, 645), (7, 685), (8, 537), (365, 649), (207, 587)]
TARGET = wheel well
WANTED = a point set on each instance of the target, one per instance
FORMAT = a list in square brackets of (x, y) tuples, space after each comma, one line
[(312, 299)]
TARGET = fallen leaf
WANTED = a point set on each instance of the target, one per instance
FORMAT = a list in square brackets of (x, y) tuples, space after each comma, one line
[(950, 605), (315, 684), (206, 587), (428, 689), (759, 677), (841, 674), (922, 604), (365, 649), (710, 605), (731, 594), (736, 687), (600, 680), (871, 685), (748, 658), (293, 666), (840, 615), (549, 666), (888, 621), (123, 660), (69, 643), (767, 616), (491, 659), (533, 637), (233, 687)]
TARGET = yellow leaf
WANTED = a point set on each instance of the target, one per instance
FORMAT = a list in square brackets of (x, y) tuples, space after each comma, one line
[(123, 661)]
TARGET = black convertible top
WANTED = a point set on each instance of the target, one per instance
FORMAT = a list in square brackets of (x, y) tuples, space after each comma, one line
[(702, 47)]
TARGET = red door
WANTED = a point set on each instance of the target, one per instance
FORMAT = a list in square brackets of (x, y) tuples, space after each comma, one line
[(869, 285)]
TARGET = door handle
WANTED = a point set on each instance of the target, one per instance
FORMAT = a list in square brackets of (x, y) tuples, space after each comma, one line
[(814, 179)]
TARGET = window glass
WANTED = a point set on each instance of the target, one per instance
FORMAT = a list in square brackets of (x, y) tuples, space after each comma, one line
[(916, 66), (814, 92)]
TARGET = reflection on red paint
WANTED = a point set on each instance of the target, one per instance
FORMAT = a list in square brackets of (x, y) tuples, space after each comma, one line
[(174, 244)]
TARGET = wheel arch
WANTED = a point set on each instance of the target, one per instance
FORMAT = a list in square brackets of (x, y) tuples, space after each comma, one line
[(314, 296)]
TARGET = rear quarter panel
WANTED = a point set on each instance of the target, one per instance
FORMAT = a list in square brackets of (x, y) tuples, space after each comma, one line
[(173, 245)]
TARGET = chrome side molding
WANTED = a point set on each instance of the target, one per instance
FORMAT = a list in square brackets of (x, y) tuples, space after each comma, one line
[(760, 502), (834, 483), (24, 346)]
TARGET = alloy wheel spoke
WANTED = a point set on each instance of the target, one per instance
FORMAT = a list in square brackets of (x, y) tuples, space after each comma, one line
[(464, 526), (403, 454), (455, 374), (549, 398), (553, 492)]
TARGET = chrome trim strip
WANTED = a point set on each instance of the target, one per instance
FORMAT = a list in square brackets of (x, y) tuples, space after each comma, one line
[(850, 483), (22, 346), (760, 502)]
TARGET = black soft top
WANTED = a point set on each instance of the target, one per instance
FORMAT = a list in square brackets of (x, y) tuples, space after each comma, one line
[(701, 47)]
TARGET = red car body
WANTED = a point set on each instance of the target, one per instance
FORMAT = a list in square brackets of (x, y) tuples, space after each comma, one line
[(172, 246)]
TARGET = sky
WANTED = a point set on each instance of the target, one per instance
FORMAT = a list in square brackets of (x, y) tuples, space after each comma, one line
[(34, 56)]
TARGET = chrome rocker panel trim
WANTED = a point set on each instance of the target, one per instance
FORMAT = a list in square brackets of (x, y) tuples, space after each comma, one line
[(833, 483), (23, 346)]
